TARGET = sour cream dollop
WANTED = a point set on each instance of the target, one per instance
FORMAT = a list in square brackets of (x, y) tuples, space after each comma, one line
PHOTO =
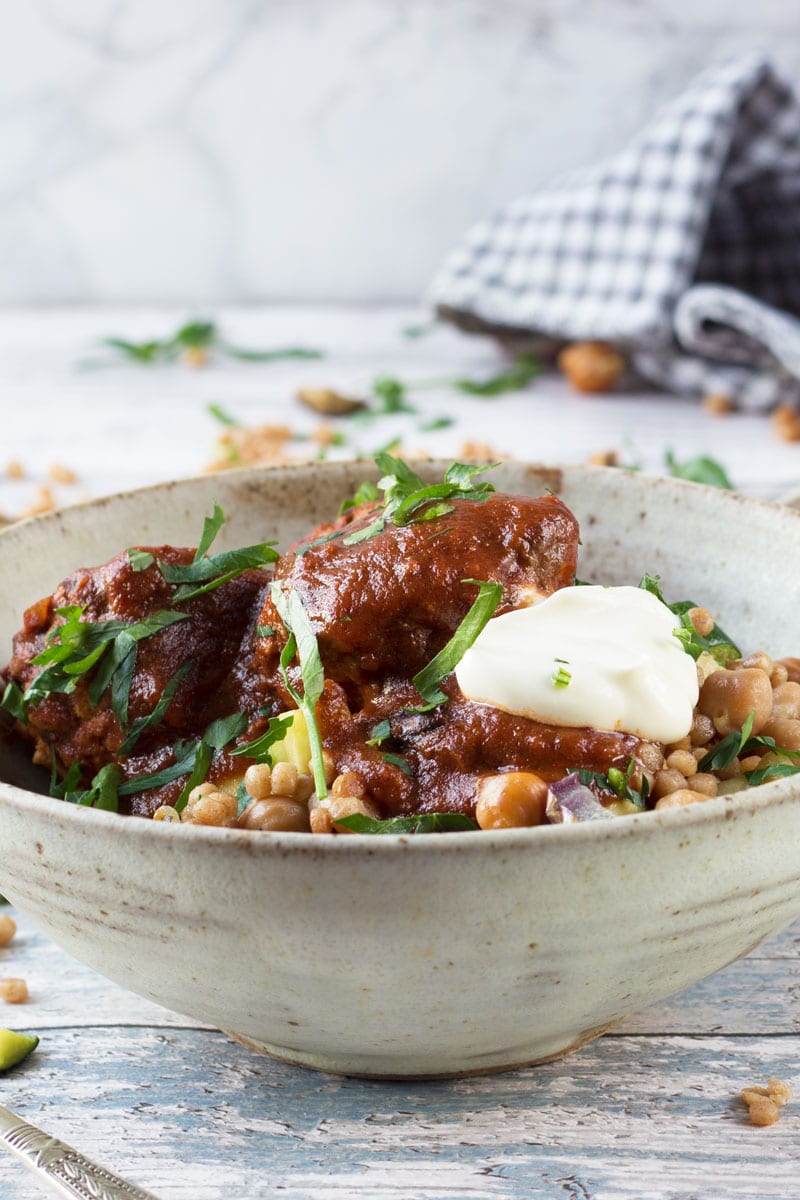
[(598, 657)]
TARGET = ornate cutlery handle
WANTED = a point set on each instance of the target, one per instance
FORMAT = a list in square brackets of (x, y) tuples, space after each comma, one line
[(68, 1172)]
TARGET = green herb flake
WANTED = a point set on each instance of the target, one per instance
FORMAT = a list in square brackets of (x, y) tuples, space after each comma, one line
[(729, 748), (140, 560), (717, 643), (523, 371), (618, 783), (303, 642), (560, 677), (435, 424), (13, 702), (219, 414), (260, 747), (207, 572), (397, 760), (380, 733), (483, 608), (421, 823), (698, 470), (157, 715), (265, 631)]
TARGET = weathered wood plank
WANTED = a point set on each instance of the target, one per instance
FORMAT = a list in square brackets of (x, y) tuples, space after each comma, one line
[(194, 1116)]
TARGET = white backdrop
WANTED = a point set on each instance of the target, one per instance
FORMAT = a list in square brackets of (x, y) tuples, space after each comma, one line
[(238, 150)]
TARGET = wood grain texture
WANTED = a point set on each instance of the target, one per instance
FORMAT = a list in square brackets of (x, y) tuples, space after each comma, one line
[(647, 1113), (187, 1113)]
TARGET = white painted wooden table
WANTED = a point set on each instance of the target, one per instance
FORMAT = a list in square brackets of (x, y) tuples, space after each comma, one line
[(649, 1112)]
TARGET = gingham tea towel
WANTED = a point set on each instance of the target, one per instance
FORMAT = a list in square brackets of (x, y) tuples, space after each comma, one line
[(684, 248)]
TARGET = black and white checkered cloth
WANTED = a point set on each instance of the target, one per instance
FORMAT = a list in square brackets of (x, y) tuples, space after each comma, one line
[(684, 249)]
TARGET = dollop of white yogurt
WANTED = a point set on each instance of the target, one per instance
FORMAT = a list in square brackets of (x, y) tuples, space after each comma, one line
[(597, 657)]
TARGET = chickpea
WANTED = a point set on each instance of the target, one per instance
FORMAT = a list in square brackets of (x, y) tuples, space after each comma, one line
[(284, 779), (666, 781), (258, 781), (348, 784), (320, 819), (215, 808), (792, 666), (785, 731), (683, 761), (651, 756), (276, 815), (786, 701), (591, 366), (757, 659), (304, 788), (7, 929), (705, 783), (680, 798), (778, 675), (13, 991), (329, 766), (512, 800), (780, 1093), (347, 806), (728, 698)]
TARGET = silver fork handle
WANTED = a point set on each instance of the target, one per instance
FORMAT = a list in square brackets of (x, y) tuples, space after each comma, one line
[(68, 1172)]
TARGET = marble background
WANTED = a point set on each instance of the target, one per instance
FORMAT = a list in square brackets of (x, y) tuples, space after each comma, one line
[(201, 151)]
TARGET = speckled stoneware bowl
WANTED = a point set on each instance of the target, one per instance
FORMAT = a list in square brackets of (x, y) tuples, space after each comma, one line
[(395, 956)]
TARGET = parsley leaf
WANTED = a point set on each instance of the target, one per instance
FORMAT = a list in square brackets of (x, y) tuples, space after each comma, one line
[(523, 371), (420, 823), (208, 572), (259, 748), (192, 759), (303, 642), (698, 470), (483, 608), (717, 643), (381, 733), (157, 715), (199, 335), (140, 559), (729, 748), (618, 783), (397, 760)]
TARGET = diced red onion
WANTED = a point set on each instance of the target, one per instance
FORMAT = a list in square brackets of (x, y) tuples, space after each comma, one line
[(569, 800)]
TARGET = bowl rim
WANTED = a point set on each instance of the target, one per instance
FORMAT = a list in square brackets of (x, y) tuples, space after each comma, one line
[(715, 811)]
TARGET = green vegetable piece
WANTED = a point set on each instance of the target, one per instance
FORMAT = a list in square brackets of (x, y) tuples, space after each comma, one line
[(717, 643), (303, 643), (699, 470), (421, 823), (14, 1047), (483, 608)]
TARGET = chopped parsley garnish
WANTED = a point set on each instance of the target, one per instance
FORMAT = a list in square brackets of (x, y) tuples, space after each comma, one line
[(393, 393), (157, 715), (303, 643), (740, 743), (260, 747), (421, 823), (207, 572), (397, 760), (77, 647), (365, 494), (717, 643), (483, 608), (698, 470), (198, 336), (381, 733), (265, 631), (407, 499), (436, 423), (140, 560), (219, 414), (618, 783), (192, 759)]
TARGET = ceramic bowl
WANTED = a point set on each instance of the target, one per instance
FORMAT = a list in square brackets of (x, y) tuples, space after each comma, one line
[(429, 955)]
